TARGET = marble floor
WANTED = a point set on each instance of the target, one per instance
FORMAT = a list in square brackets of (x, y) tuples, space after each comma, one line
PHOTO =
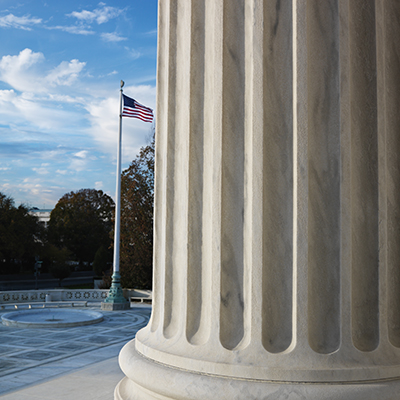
[(43, 359)]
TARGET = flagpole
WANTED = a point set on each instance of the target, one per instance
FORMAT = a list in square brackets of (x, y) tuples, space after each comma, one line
[(118, 190), (115, 299)]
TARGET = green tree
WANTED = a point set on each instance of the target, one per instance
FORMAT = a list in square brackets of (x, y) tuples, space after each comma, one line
[(137, 200), (102, 261), (20, 237), (59, 267), (82, 221)]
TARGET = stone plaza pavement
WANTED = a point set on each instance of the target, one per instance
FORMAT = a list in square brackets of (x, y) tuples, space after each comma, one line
[(67, 363)]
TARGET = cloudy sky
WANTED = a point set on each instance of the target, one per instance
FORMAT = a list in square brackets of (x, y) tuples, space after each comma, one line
[(61, 63)]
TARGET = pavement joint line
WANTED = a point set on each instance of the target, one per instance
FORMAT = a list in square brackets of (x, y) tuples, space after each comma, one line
[(57, 358), (67, 360)]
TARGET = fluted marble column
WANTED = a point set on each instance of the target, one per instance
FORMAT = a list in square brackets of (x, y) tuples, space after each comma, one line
[(277, 204)]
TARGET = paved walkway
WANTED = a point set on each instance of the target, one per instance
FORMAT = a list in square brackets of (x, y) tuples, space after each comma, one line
[(67, 363)]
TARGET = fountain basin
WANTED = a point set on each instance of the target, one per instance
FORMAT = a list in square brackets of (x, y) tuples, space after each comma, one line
[(50, 318)]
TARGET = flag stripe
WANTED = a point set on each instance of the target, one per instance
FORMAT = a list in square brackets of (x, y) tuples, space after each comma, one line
[(133, 109), (137, 115), (133, 112)]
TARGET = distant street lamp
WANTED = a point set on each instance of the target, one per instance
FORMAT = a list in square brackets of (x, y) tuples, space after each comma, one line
[(38, 266)]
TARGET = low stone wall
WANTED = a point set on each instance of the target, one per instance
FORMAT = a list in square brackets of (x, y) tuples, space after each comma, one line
[(32, 296), (137, 294), (89, 295)]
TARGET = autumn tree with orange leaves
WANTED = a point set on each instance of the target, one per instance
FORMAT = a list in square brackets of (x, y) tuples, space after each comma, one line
[(137, 200)]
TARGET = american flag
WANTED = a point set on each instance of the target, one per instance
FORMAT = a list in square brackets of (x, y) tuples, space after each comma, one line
[(134, 109)]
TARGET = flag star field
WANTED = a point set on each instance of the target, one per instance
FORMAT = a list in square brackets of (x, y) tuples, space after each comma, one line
[(61, 64)]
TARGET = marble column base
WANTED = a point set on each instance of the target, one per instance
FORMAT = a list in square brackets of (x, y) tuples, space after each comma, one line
[(148, 380)]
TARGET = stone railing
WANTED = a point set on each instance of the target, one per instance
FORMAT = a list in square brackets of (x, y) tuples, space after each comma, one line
[(39, 296), (68, 295)]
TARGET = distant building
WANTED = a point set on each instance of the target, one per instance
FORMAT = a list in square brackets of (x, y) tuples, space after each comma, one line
[(42, 214)]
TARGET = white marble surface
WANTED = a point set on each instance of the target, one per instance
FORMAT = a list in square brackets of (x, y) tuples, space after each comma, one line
[(96, 382), (146, 380)]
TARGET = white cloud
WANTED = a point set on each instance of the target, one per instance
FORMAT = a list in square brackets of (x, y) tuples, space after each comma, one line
[(75, 29), (22, 73), (33, 188), (109, 74), (62, 171), (25, 22), (134, 54), (17, 71), (112, 37), (79, 161), (81, 154), (55, 154), (30, 185), (64, 98), (40, 115), (21, 111), (65, 73), (151, 33), (41, 170), (99, 15), (40, 97), (98, 185), (7, 95), (104, 123)]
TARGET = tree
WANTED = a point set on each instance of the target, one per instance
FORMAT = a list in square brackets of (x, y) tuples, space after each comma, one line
[(59, 267), (137, 200), (82, 221), (102, 261), (20, 237)]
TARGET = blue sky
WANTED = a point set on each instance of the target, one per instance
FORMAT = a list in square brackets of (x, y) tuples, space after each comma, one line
[(60, 69)]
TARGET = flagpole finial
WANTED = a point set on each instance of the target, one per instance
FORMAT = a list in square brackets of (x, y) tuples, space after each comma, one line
[(122, 84)]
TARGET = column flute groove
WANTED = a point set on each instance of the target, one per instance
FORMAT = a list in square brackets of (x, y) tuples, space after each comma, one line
[(170, 295), (159, 181), (323, 175), (345, 190), (364, 176), (232, 178), (277, 168), (196, 331), (390, 119), (384, 265), (181, 168)]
